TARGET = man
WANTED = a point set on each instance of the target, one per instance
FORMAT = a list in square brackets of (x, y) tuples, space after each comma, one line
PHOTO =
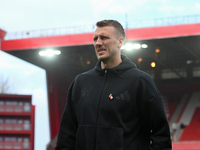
[(114, 106)]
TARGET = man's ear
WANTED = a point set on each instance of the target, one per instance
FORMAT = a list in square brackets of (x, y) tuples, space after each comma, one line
[(121, 42)]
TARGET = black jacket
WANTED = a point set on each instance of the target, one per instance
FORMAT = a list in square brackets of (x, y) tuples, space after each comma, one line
[(114, 109)]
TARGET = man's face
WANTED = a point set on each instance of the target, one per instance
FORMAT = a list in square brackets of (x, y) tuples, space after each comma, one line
[(107, 43)]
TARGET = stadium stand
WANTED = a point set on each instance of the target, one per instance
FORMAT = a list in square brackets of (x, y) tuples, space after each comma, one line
[(189, 110), (188, 118), (192, 131), (170, 106), (180, 105)]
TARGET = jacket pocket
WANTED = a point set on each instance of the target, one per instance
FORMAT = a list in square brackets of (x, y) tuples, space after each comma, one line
[(109, 138), (100, 138), (85, 137)]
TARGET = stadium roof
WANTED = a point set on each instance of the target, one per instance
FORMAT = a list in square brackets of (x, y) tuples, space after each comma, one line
[(86, 38), (177, 43)]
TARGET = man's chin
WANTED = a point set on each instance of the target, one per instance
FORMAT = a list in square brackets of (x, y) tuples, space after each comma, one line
[(101, 58)]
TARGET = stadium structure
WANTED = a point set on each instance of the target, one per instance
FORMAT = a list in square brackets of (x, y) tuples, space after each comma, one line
[(169, 53), (17, 118)]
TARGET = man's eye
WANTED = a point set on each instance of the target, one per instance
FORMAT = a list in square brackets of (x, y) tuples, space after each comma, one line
[(94, 39), (103, 37)]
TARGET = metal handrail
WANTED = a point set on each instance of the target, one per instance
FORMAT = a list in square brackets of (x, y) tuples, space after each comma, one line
[(90, 28), (15, 127), (14, 145), (15, 108)]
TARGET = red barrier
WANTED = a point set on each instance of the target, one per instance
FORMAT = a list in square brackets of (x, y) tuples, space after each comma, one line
[(193, 145), (2, 34)]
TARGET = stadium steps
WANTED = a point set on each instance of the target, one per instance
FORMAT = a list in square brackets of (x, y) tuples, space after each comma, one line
[(179, 108), (187, 114), (174, 125), (192, 132), (190, 108), (169, 107)]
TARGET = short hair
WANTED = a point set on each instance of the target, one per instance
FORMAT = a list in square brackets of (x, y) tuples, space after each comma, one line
[(113, 23)]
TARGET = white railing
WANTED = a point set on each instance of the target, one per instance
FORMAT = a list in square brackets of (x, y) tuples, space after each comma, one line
[(14, 145), (15, 126), (15, 108), (90, 28)]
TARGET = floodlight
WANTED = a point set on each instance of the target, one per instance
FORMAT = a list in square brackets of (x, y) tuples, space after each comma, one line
[(57, 52), (136, 46), (139, 59), (153, 64), (144, 45), (129, 46), (42, 53), (157, 50), (49, 52)]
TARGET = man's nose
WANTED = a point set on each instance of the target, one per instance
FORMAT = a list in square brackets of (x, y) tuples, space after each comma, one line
[(98, 42)]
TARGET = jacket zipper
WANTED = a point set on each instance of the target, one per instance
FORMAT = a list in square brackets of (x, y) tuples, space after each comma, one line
[(98, 111)]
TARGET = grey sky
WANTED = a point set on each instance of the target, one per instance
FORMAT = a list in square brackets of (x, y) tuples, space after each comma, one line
[(25, 15)]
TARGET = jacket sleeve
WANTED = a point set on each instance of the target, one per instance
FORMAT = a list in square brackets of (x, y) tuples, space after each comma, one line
[(153, 111), (68, 126)]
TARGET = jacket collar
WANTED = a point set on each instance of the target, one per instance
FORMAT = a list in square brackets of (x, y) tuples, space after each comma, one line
[(123, 66)]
